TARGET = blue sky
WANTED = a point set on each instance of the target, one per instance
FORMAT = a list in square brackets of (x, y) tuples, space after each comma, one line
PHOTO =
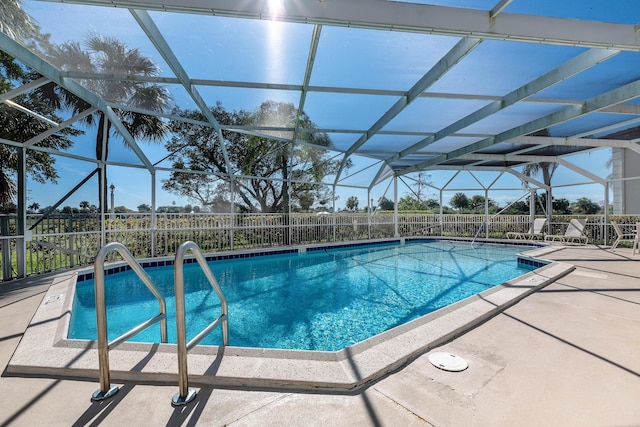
[(257, 52)]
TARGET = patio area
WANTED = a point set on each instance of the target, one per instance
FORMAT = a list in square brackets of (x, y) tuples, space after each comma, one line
[(566, 355)]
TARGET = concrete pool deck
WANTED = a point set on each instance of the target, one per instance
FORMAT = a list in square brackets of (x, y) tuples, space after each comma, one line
[(565, 355)]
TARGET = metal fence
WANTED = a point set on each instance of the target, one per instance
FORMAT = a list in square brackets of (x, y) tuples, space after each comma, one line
[(66, 241)]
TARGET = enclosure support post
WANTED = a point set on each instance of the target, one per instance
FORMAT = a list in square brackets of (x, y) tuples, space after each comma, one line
[(72, 249), (154, 218), (5, 246), (441, 213), (369, 217), (395, 207), (606, 213), (103, 211), (333, 214), (21, 241), (102, 188), (549, 204), (289, 229), (486, 212), (232, 211), (532, 207)]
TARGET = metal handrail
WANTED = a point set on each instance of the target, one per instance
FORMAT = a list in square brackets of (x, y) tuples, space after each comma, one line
[(106, 390), (185, 394)]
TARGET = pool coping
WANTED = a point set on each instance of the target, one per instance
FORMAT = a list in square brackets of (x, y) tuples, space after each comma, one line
[(45, 352)]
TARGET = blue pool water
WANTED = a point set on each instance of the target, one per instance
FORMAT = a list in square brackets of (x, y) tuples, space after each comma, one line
[(321, 300)]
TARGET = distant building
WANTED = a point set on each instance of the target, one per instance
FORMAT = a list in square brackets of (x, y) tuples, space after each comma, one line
[(625, 174)]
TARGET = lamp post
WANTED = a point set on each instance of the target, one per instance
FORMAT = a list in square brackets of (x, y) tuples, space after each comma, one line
[(112, 187)]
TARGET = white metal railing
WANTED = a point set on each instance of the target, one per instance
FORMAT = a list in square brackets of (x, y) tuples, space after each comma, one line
[(64, 242)]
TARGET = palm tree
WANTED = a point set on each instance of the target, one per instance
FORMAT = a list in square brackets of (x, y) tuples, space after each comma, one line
[(547, 169), (460, 201), (19, 127), (107, 55), (33, 207), (15, 22)]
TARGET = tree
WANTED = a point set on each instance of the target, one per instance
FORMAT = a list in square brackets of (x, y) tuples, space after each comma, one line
[(306, 199), (411, 203), (144, 208), (17, 126), (121, 209), (352, 203), (546, 168), (169, 209), (561, 206), (8, 208), (33, 207), (84, 206), (107, 55), (385, 204), (477, 203), (15, 22), (517, 208), (586, 206), (20, 127), (8, 188), (277, 175), (420, 186), (459, 201), (432, 204)]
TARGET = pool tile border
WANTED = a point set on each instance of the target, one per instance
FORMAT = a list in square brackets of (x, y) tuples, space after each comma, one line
[(117, 267), (88, 275)]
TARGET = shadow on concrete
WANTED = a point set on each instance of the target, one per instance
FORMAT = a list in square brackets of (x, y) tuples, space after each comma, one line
[(575, 346)]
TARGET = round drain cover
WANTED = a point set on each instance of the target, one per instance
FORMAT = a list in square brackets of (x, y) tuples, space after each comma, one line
[(448, 362)]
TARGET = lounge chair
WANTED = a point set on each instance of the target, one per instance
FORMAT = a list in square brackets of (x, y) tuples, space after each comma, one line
[(575, 231), (534, 232), (624, 237)]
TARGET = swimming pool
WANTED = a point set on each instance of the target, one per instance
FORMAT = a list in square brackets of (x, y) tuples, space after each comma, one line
[(324, 299)]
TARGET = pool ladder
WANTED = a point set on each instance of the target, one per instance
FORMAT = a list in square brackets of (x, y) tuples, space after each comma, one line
[(106, 390), (185, 394)]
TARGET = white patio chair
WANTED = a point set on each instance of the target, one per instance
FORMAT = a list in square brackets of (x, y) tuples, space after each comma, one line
[(534, 232), (624, 237), (575, 231)]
